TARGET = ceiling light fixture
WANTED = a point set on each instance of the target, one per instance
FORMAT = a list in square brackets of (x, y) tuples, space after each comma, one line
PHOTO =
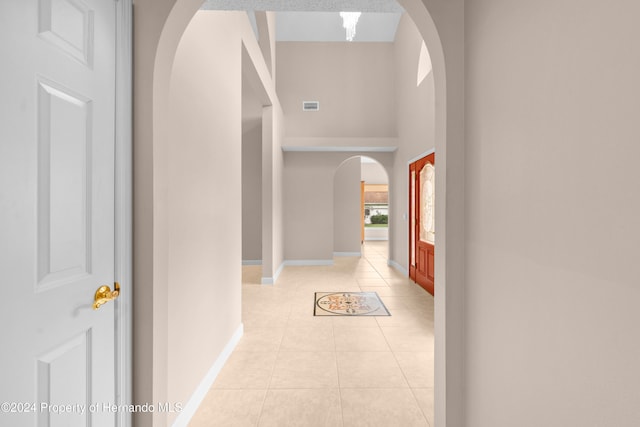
[(349, 22)]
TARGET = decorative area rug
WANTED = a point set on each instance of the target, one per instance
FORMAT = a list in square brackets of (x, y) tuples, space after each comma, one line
[(349, 304)]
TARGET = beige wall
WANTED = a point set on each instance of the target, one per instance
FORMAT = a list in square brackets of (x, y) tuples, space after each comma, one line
[(346, 207), (204, 199), (308, 207), (309, 202), (416, 131), (341, 76), (373, 173), (251, 172), (252, 192), (552, 208)]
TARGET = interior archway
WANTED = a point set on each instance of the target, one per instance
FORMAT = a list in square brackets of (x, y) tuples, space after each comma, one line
[(356, 178), (170, 31)]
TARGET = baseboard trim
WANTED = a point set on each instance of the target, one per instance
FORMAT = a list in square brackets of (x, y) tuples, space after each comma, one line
[(303, 262), (278, 271), (398, 267), (274, 279), (251, 262), (341, 254), (199, 394), (296, 262), (368, 239)]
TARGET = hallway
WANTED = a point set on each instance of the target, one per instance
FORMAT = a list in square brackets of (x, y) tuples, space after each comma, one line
[(294, 369)]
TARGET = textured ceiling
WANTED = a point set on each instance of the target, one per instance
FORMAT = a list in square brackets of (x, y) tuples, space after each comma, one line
[(327, 27), (319, 21), (386, 6)]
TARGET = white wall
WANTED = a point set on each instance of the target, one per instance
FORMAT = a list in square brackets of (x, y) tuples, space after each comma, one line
[(552, 208), (346, 207)]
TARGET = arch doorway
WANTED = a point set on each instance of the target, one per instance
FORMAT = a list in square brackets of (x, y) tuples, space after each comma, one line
[(160, 41), (361, 208)]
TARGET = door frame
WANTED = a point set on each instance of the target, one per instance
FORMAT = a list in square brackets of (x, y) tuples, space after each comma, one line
[(362, 184), (418, 157), (123, 213)]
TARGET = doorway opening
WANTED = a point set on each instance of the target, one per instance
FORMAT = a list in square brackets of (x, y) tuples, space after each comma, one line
[(161, 65), (360, 207), (375, 189), (251, 184)]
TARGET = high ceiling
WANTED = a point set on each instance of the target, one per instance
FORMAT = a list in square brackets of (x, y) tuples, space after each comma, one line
[(319, 21), (387, 6), (327, 27)]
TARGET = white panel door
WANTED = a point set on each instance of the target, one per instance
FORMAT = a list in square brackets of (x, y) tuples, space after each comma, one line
[(57, 90)]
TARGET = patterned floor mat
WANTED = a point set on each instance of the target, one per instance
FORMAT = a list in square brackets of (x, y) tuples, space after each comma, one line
[(349, 304)]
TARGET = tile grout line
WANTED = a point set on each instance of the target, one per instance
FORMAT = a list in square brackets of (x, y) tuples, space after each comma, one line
[(404, 374), (335, 351), (393, 352), (413, 393), (273, 368)]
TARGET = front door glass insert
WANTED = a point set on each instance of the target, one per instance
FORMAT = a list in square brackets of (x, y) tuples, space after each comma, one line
[(427, 202)]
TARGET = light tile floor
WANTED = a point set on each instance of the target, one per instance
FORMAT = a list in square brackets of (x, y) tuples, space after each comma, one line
[(293, 369)]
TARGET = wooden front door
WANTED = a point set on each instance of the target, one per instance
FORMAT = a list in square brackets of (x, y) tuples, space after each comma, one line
[(421, 221)]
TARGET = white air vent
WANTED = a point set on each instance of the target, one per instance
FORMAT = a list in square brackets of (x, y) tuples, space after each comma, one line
[(310, 105)]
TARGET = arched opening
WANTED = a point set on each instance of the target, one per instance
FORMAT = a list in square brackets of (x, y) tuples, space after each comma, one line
[(377, 204), (361, 208), (158, 240)]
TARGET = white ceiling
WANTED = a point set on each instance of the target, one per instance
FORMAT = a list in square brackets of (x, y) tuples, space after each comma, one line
[(327, 27), (306, 5), (319, 21)]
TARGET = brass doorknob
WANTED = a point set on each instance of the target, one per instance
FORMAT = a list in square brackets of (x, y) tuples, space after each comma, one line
[(104, 295)]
